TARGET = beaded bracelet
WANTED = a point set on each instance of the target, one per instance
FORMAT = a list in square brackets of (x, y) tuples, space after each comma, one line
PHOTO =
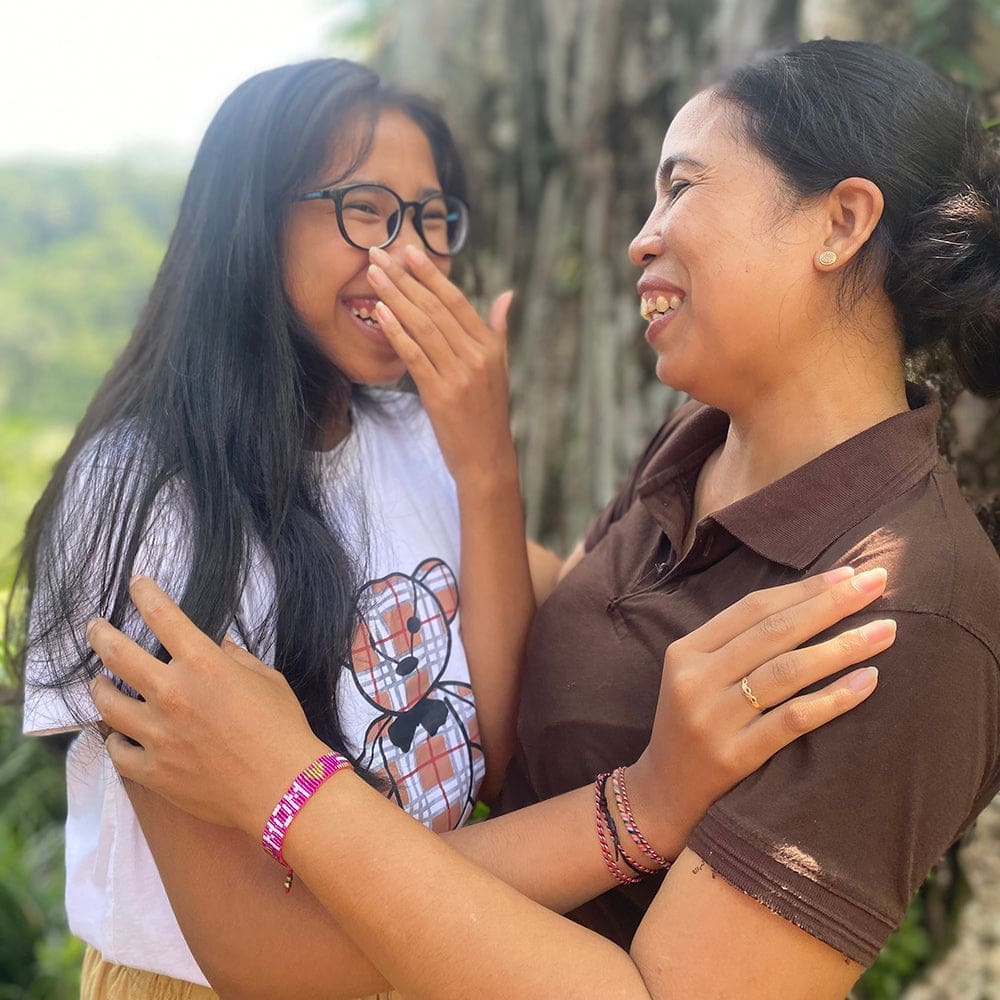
[(625, 811), (610, 859), (298, 794)]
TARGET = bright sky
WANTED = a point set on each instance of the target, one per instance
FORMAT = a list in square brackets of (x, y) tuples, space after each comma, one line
[(97, 77)]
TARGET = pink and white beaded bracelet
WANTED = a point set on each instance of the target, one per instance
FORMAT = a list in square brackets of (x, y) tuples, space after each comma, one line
[(298, 794)]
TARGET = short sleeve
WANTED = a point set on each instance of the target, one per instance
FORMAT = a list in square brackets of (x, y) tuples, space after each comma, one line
[(837, 831), (626, 495), (75, 569)]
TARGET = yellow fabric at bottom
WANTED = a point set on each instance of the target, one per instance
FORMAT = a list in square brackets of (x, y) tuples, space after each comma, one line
[(102, 980)]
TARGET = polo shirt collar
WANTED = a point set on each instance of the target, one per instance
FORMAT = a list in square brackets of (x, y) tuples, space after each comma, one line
[(794, 519)]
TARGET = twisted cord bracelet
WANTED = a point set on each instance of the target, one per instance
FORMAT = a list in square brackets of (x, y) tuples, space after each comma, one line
[(625, 810), (610, 860), (298, 794), (619, 852)]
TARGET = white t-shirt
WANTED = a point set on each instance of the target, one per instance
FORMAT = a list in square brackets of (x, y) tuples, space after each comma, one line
[(405, 703)]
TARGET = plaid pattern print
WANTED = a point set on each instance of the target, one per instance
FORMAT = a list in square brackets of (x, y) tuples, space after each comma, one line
[(424, 738)]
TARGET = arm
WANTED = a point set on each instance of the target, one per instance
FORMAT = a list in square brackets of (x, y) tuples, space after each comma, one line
[(548, 851), (701, 937), (548, 569), (545, 568), (497, 605), (253, 941), (249, 938), (459, 364)]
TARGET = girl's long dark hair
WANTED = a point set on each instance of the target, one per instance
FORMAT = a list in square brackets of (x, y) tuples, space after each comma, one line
[(215, 404)]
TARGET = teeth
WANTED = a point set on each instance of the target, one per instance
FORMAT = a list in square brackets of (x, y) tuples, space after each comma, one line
[(366, 315), (651, 308)]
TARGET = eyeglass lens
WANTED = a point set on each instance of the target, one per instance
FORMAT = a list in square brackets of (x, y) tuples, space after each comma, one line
[(371, 218)]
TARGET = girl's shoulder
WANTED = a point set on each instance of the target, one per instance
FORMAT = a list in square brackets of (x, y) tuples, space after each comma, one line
[(116, 482), (123, 448)]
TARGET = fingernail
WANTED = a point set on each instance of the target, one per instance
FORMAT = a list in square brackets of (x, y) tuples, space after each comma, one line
[(383, 310), (877, 632), (90, 626), (871, 581), (838, 574), (414, 254), (377, 276), (863, 680), (379, 256), (134, 579)]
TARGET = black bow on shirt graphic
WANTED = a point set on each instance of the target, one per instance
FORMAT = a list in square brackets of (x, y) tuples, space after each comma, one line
[(428, 713)]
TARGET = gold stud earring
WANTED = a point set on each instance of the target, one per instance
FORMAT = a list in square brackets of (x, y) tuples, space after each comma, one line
[(827, 258)]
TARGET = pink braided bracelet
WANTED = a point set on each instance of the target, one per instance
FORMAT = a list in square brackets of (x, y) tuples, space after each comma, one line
[(609, 858), (298, 794), (625, 810)]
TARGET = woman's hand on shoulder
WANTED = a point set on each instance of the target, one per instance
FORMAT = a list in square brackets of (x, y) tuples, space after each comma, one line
[(458, 361), (217, 733), (729, 696)]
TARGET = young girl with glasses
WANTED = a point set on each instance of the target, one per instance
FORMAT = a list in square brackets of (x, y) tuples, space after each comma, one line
[(369, 545)]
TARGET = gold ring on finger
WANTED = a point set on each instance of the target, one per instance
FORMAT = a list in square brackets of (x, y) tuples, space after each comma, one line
[(748, 694)]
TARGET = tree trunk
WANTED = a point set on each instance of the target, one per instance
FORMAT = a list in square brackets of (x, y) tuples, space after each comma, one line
[(561, 106)]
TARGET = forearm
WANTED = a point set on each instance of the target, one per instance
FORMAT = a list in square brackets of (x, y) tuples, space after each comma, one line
[(251, 940), (444, 927), (497, 604)]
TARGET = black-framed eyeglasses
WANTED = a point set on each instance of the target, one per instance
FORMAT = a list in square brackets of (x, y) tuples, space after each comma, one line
[(371, 215)]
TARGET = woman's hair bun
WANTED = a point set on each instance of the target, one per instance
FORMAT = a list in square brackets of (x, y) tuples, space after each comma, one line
[(890, 118), (945, 281)]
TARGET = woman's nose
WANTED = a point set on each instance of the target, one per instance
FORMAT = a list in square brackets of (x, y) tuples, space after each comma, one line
[(648, 243)]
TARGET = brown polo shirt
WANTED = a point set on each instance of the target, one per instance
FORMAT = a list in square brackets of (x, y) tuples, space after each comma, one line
[(835, 832)]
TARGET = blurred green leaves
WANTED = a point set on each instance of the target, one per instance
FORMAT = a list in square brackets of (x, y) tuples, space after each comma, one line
[(79, 247), (38, 959), (78, 250), (943, 34)]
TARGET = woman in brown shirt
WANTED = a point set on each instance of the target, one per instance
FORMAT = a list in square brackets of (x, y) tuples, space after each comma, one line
[(818, 215)]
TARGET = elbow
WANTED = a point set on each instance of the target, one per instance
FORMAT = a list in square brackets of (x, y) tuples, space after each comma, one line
[(230, 981), (224, 985)]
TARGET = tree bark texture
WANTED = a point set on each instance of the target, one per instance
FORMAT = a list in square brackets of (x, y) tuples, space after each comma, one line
[(560, 107)]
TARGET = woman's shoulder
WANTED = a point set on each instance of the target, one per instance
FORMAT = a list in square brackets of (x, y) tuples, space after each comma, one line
[(940, 561)]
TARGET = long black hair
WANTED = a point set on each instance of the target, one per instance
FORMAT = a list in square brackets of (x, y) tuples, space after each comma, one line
[(826, 110), (213, 407)]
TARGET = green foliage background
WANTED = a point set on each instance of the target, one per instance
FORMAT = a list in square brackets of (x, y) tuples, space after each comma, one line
[(79, 247)]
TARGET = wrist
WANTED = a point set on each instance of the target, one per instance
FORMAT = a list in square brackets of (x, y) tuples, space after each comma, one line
[(488, 481), (657, 813), (298, 795), (267, 784)]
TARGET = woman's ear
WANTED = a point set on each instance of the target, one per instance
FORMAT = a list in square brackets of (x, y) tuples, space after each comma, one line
[(853, 208)]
